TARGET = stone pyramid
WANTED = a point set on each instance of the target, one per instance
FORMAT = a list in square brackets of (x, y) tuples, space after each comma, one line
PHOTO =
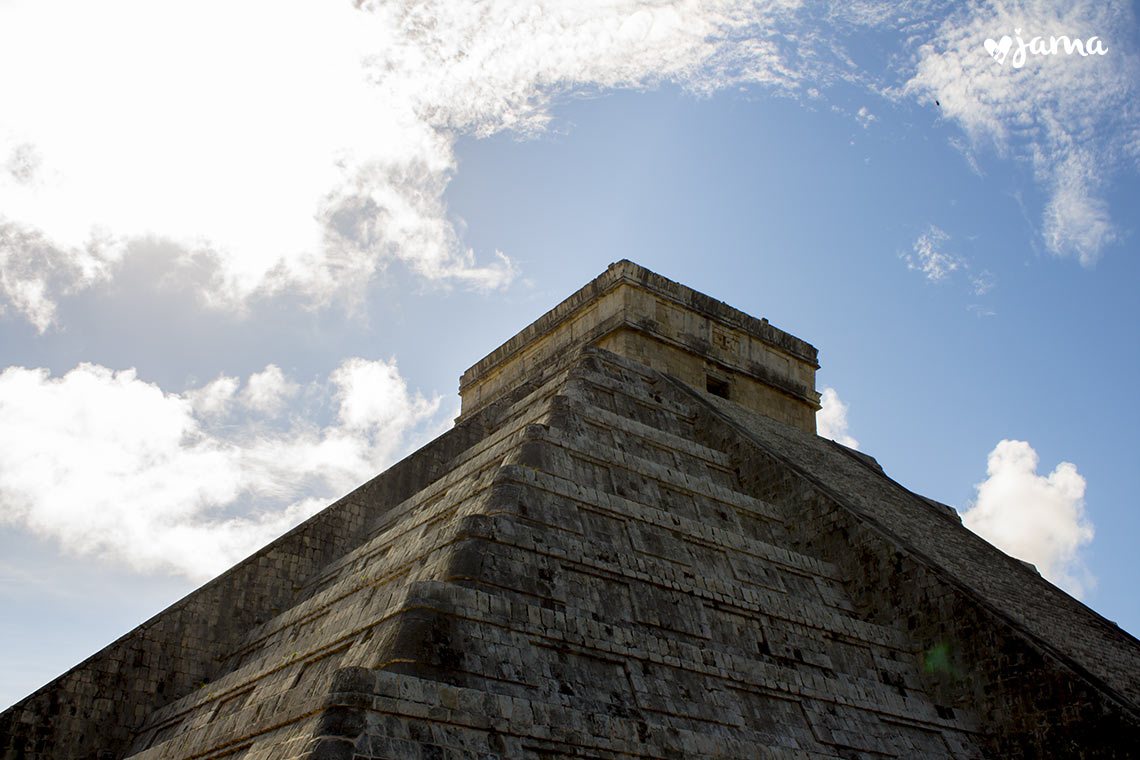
[(632, 544)]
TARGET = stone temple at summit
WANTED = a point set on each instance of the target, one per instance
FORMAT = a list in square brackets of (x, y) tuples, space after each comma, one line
[(632, 544)]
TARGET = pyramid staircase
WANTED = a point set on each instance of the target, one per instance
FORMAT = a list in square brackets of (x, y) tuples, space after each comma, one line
[(590, 580)]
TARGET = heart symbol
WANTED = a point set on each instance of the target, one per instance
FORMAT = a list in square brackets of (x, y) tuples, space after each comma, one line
[(998, 49)]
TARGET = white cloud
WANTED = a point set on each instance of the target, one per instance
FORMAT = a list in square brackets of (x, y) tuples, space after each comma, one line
[(929, 255), (865, 117), (268, 390), (1037, 518), (373, 396), (214, 398), (969, 153), (831, 419), (1076, 220), (34, 272), (1068, 116), (308, 145), (109, 465), (983, 282), (980, 311)]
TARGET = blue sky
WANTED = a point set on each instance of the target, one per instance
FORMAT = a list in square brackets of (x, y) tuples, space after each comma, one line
[(244, 258)]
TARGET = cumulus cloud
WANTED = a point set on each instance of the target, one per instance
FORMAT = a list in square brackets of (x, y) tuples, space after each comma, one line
[(268, 391), (1037, 518), (373, 397), (1069, 116), (214, 398), (306, 146), (112, 466), (34, 272), (831, 419)]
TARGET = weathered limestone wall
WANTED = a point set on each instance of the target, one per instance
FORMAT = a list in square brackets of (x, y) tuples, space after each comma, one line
[(646, 347), (589, 581), (664, 325)]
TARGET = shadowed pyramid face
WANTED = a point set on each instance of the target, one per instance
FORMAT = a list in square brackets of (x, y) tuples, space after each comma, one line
[(592, 575), (606, 561)]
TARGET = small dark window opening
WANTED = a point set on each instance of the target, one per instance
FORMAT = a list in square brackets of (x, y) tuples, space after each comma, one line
[(716, 387)]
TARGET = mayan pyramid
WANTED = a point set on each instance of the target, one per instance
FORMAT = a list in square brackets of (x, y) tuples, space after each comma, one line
[(632, 544)]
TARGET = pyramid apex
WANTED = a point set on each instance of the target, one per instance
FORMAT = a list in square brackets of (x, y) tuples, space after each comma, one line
[(667, 326)]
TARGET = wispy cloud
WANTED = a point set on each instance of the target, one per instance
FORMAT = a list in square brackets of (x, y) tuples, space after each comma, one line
[(980, 311), (929, 256), (1038, 518), (932, 255), (1076, 220), (968, 153), (831, 419), (110, 465), (1070, 117), (865, 117), (35, 273), (982, 282)]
